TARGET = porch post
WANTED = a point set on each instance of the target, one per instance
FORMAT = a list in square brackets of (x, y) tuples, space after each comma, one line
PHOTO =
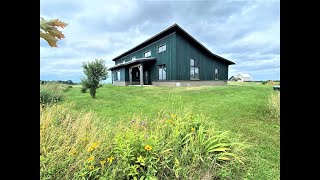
[(130, 75), (141, 74)]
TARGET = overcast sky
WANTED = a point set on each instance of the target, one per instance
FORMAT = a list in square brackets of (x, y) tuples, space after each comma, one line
[(246, 32)]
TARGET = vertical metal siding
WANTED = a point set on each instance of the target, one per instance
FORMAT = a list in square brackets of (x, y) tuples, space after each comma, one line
[(187, 51)]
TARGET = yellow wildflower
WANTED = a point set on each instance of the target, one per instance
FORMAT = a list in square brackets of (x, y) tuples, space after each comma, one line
[(91, 158), (148, 147), (109, 159), (193, 129), (92, 147), (102, 162), (91, 167), (173, 116)]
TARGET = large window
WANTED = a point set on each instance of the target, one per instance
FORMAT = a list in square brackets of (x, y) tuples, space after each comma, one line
[(194, 70), (147, 54), (162, 72), (216, 74), (116, 75), (162, 48)]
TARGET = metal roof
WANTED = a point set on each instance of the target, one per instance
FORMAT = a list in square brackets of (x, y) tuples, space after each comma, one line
[(174, 28), (139, 60)]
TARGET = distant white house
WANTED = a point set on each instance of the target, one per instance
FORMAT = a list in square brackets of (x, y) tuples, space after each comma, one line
[(242, 77)]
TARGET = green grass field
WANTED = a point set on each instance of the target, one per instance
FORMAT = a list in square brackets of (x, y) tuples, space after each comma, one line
[(241, 108)]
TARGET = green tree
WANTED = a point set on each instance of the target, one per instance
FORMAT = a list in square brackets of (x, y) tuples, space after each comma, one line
[(49, 31), (95, 72)]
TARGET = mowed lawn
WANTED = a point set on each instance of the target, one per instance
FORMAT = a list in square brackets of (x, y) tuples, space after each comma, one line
[(241, 108)]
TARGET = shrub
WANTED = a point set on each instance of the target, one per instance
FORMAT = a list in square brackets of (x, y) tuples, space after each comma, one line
[(83, 89), (48, 97), (95, 72), (52, 92), (168, 147)]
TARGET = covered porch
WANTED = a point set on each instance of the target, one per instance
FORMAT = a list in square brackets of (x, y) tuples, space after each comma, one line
[(139, 71)]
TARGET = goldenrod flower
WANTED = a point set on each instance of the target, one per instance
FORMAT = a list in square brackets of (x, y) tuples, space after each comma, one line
[(91, 158), (91, 167), (148, 147), (102, 162), (193, 129), (109, 159)]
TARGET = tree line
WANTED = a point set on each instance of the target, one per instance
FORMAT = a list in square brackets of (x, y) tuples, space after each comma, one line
[(58, 81)]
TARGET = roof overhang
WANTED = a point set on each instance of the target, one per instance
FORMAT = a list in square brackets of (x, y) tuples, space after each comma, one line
[(132, 62)]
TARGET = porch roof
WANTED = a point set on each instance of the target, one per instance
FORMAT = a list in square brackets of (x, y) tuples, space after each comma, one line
[(139, 60)]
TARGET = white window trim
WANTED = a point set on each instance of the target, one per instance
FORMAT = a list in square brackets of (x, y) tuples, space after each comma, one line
[(162, 66), (194, 66), (216, 78), (161, 46), (116, 74), (147, 52), (133, 58)]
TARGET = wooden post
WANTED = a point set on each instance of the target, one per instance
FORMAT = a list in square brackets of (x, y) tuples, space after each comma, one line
[(141, 74), (130, 76)]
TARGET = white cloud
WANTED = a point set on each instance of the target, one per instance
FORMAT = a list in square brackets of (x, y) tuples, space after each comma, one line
[(246, 32)]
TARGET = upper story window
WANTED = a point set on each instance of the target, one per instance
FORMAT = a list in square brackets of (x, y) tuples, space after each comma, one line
[(133, 58), (162, 48), (216, 74), (194, 70), (162, 72), (147, 54)]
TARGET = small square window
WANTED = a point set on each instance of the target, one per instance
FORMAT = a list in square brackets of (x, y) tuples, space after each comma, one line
[(147, 54), (192, 62), (162, 48)]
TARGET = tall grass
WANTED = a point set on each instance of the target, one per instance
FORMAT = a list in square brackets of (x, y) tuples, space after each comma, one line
[(274, 104), (175, 146), (52, 92)]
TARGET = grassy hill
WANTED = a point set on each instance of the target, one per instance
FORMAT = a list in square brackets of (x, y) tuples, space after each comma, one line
[(243, 109)]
